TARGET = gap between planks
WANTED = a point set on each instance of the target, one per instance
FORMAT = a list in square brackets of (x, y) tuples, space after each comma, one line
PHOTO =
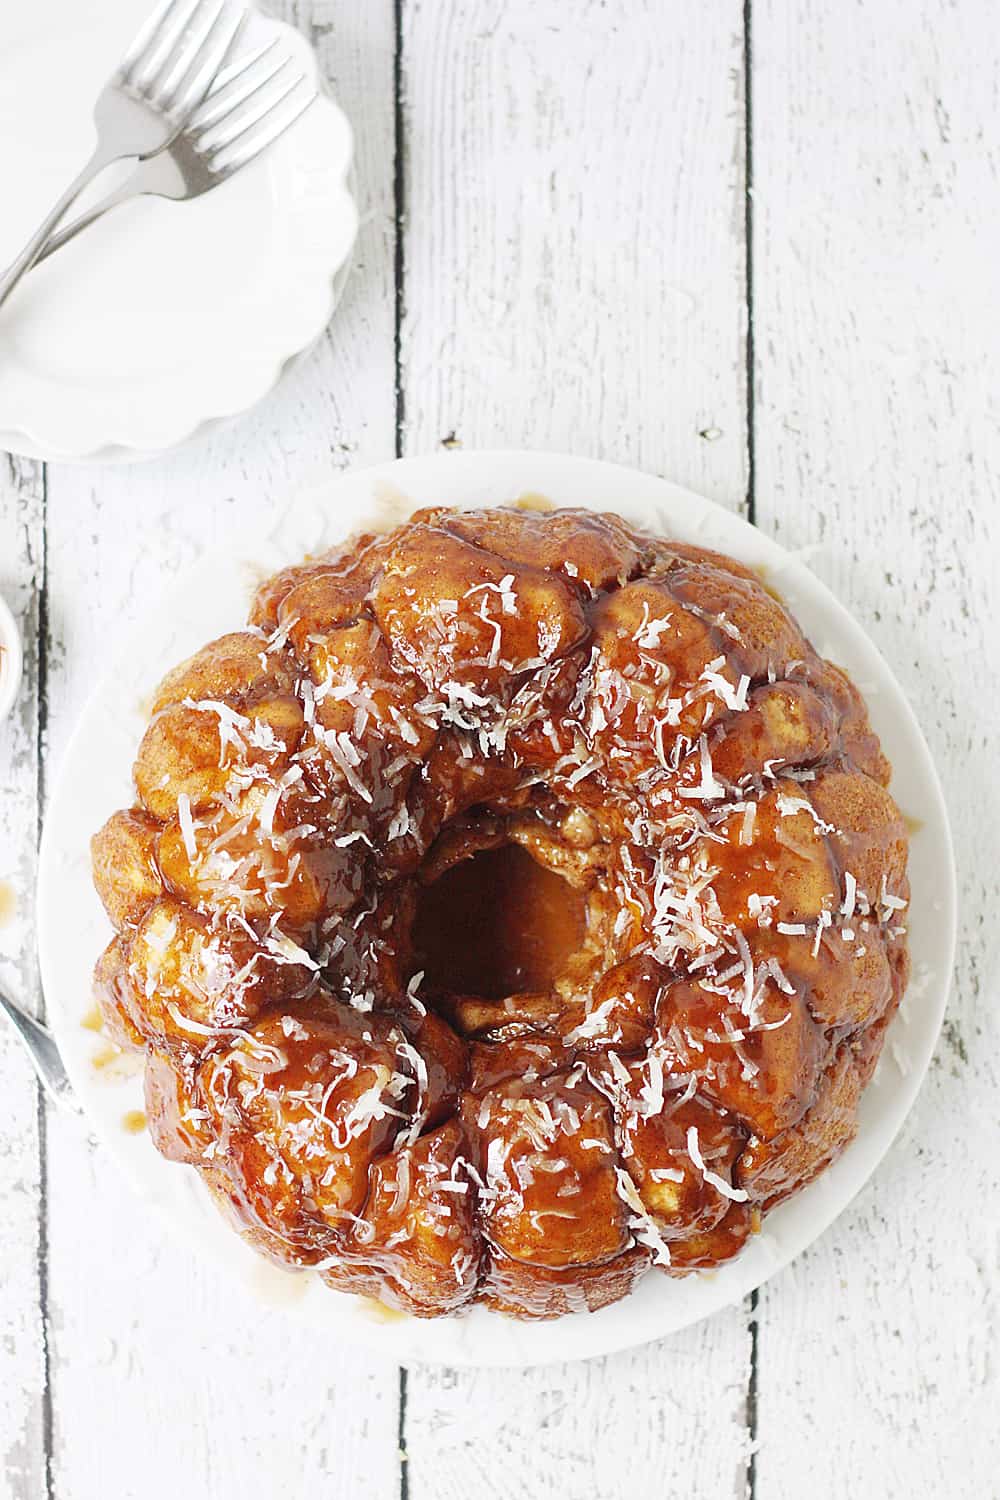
[(751, 508), (41, 736)]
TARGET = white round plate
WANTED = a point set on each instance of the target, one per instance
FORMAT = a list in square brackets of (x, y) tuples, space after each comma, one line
[(162, 317), (95, 779)]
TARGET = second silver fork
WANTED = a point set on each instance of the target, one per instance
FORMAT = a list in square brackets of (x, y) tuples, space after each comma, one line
[(163, 78), (252, 103)]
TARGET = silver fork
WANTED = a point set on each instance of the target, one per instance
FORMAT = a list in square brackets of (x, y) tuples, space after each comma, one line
[(251, 105), (43, 1052), (162, 79)]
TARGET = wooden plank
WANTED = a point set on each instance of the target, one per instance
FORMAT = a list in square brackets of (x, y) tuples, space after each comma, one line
[(876, 316), (162, 1386), (666, 1420), (574, 279), (22, 1346), (574, 271)]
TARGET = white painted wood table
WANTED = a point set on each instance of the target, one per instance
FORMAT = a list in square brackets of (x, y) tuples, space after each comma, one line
[(750, 248)]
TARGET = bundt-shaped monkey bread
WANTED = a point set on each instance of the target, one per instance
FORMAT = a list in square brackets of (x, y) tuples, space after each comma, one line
[(513, 906)]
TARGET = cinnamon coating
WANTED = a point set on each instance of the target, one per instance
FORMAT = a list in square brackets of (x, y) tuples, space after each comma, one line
[(516, 905)]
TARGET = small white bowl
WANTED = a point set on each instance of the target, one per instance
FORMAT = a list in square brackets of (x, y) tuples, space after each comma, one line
[(10, 660)]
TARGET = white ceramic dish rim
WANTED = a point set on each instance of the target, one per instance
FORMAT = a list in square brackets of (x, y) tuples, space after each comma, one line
[(71, 928), (10, 659), (254, 371), (119, 453)]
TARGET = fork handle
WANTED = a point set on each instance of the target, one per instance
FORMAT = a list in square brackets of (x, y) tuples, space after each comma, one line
[(33, 249), (130, 188), (42, 1051)]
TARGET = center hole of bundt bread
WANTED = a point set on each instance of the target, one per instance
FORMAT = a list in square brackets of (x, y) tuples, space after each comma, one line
[(496, 924)]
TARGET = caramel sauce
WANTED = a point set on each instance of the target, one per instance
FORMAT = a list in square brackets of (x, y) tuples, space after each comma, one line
[(115, 1065), (495, 925), (763, 572), (134, 1121), (913, 825), (254, 575), (278, 1286), (530, 500), (378, 1312), (8, 901), (391, 508)]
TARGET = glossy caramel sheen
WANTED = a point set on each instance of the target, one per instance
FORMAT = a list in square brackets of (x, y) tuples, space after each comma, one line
[(516, 904)]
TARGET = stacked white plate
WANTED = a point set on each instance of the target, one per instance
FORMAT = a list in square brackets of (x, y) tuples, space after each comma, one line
[(163, 317)]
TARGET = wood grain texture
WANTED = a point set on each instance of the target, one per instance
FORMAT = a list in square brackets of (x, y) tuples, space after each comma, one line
[(670, 1419), (162, 1384), (573, 276), (878, 330), (574, 279), (22, 1350), (574, 245)]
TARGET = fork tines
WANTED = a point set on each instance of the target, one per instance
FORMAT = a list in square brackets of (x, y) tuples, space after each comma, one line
[(179, 51), (253, 103)]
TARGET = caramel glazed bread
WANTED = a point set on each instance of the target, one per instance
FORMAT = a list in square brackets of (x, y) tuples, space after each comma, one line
[(678, 1009)]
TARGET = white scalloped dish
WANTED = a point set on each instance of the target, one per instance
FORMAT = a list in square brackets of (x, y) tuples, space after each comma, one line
[(162, 317), (95, 779)]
